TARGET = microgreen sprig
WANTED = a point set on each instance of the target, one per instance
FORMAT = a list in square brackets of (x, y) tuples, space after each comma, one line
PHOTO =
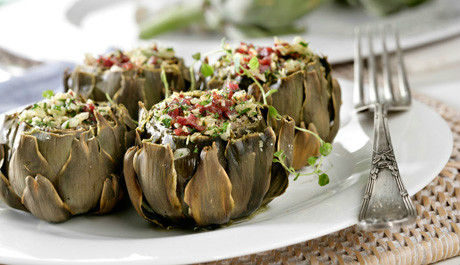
[(323, 178), (109, 99), (316, 162), (165, 81), (47, 94), (206, 69), (250, 75), (196, 57)]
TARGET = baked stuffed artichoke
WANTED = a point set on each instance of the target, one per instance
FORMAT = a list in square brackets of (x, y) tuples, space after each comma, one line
[(305, 89), (63, 157), (129, 77), (203, 158)]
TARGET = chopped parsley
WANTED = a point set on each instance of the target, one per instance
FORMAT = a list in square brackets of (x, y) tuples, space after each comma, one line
[(167, 122)]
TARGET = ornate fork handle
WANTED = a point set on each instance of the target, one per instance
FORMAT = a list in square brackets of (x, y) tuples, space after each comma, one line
[(386, 202)]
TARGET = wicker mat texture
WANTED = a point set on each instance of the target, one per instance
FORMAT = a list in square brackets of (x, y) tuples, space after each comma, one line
[(435, 237)]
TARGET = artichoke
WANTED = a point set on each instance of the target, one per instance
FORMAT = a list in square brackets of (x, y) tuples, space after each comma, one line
[(305, 89), (129, 77), (205, 158), (383, 7), (62, 157), (241, 18)]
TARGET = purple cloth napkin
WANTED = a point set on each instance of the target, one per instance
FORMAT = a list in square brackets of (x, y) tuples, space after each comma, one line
[(28, 88)]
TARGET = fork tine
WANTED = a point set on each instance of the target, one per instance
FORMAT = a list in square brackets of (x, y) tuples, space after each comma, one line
[(387, 84), (373, 92), (405, 94), (358, 93)]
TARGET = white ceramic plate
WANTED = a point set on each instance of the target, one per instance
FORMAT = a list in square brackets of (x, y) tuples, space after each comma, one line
[(423, 144), (67, 29)]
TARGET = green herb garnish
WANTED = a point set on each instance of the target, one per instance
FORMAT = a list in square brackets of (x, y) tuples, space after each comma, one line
[(197, 56), (207, 70), (236, 63), (205, 102), (271, 91), (224, 127), (47, 94), (244, 111), (165, 81), (254, 63), (323, 179), (325, 150), (109, 99), (167, 122)]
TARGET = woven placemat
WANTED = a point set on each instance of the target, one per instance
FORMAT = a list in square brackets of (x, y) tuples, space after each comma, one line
[(435, 237)]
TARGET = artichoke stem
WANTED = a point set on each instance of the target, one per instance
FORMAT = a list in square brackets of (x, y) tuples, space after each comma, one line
[(170, 19)]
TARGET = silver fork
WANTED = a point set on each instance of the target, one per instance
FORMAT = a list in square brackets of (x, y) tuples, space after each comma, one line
[(386, 203)]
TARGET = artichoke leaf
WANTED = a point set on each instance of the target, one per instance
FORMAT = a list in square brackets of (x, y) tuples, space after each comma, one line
[(127, 126), (144, 117), (126, 118), (54, 148), (174, 77), (154, 167), (2, 155), (208, 193), (109, 82), (83, 174), (213, 83), (315, 106), (42, 200), (278, 183), (132, 183), (153, 80), (131, 91), (336, 103), (254, 90), (111, 194), (240, 172), (110, 137), (285, 139), (305, 146), (279, 177), (27, 160), (8, 129), (289, 98), (249, 165), (186, 166), (8, 195), (83, 82)]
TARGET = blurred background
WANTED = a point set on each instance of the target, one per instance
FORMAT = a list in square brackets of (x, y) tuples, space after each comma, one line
[(65, 30), (44, 37)]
